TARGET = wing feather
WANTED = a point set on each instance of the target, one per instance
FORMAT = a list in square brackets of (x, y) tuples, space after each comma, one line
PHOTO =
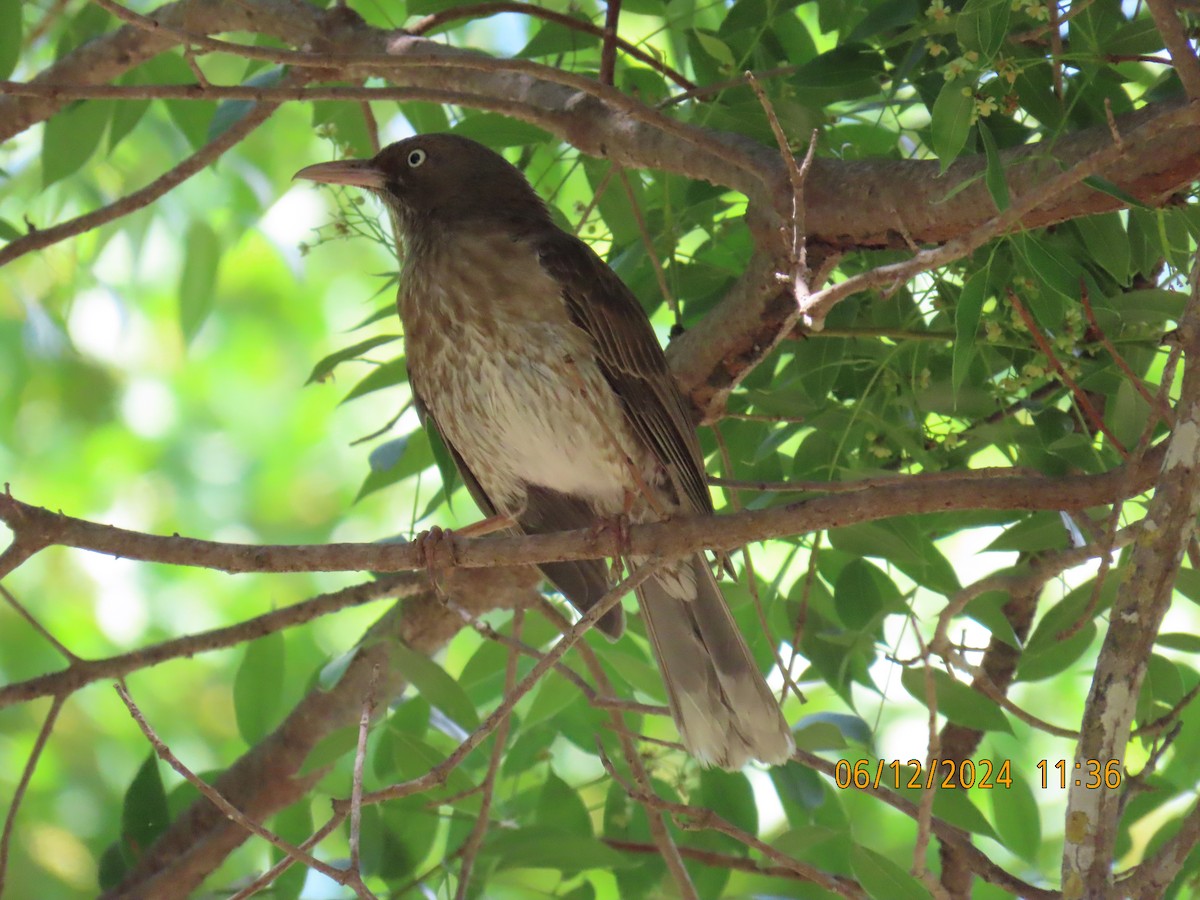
[(632, 361)]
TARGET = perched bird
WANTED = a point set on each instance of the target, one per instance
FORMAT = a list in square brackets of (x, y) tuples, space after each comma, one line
[(543, 376)]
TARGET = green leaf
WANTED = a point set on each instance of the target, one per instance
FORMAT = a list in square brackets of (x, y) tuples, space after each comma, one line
[(1188, 643), (330, 749), (111, 867), (955, 806), (1108, 243), (883, 17), (127, 113), (716, 48), (1126, 414), (71, 137), (1104, 186), (554, 693), (258, 687), (900, 542), (730, 796), (840, 67), (325, 367), (397, 837), (993, 175), (424, 117), (144, 815), (560, 807), (387, 375), (552, 39), (830, 731), (345, 121), (967, 313), (951, 120), (10, 36), (396, 460), (549, 848), (956, 701), (499, 132), (8, 232), (229, 112), (294, 825), (982, 26), (198, 278), (1045, 660), (1039, 531), (432, 682), (1054, 268), (191, 117), (1018, 822), (882, 879), (444, 460)]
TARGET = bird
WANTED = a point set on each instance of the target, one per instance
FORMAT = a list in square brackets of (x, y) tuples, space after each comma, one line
[(540, 371)]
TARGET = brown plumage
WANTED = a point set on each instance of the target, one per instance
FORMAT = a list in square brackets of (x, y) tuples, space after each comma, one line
[(542, 374)]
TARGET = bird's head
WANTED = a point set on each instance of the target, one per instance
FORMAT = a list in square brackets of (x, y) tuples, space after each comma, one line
[(438, 181)]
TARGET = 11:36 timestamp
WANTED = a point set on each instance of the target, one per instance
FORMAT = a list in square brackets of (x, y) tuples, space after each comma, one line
[(1087, 773)]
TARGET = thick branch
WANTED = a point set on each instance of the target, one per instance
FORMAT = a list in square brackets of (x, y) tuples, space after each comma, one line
[(1093, 816), (848, 203), (908, 496)]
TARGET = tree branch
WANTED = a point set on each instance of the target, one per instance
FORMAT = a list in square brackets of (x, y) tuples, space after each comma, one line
[(1093, 816), (909, 495)]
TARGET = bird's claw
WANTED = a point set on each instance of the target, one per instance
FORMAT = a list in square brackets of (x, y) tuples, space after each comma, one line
[(618, 527), (429, 547)]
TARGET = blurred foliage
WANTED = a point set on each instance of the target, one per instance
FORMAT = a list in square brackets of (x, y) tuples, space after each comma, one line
[(206, 366)]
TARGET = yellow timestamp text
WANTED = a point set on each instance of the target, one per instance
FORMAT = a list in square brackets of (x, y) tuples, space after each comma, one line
[(1085, 773), (916, 773)]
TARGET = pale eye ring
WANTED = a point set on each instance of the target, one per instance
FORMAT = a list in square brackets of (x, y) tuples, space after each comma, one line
[(416, 157)]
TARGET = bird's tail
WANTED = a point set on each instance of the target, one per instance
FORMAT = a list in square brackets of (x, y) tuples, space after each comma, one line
[(721, 704)]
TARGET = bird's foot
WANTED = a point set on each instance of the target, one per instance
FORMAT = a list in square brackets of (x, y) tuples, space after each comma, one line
[(430, 545), (618, 527)]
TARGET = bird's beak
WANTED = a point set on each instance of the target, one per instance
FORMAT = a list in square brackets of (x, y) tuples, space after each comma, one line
[(361, 173)]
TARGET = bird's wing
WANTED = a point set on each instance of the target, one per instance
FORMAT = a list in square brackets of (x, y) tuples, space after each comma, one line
[(584, 582), (631, 359)]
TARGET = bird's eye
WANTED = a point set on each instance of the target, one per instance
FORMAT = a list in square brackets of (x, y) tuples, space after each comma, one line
[(416, 157)]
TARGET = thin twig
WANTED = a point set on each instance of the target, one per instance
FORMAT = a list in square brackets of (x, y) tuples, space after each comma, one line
[(482, 10), (85, 671), (287, 862), (1162, 408), (976, 859), (608, 51), (1183, 56), (1080, 395), (1056, 50), (697, 818), (214, 796), (439, 773), (802, 614), (37, 626), (201, 159), (932, 753), (648, 242), (488, 788), (35, 754), (663, 840), (360, 755)]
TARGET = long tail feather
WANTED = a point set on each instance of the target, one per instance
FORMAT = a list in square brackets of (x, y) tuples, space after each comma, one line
[(725, 712)]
